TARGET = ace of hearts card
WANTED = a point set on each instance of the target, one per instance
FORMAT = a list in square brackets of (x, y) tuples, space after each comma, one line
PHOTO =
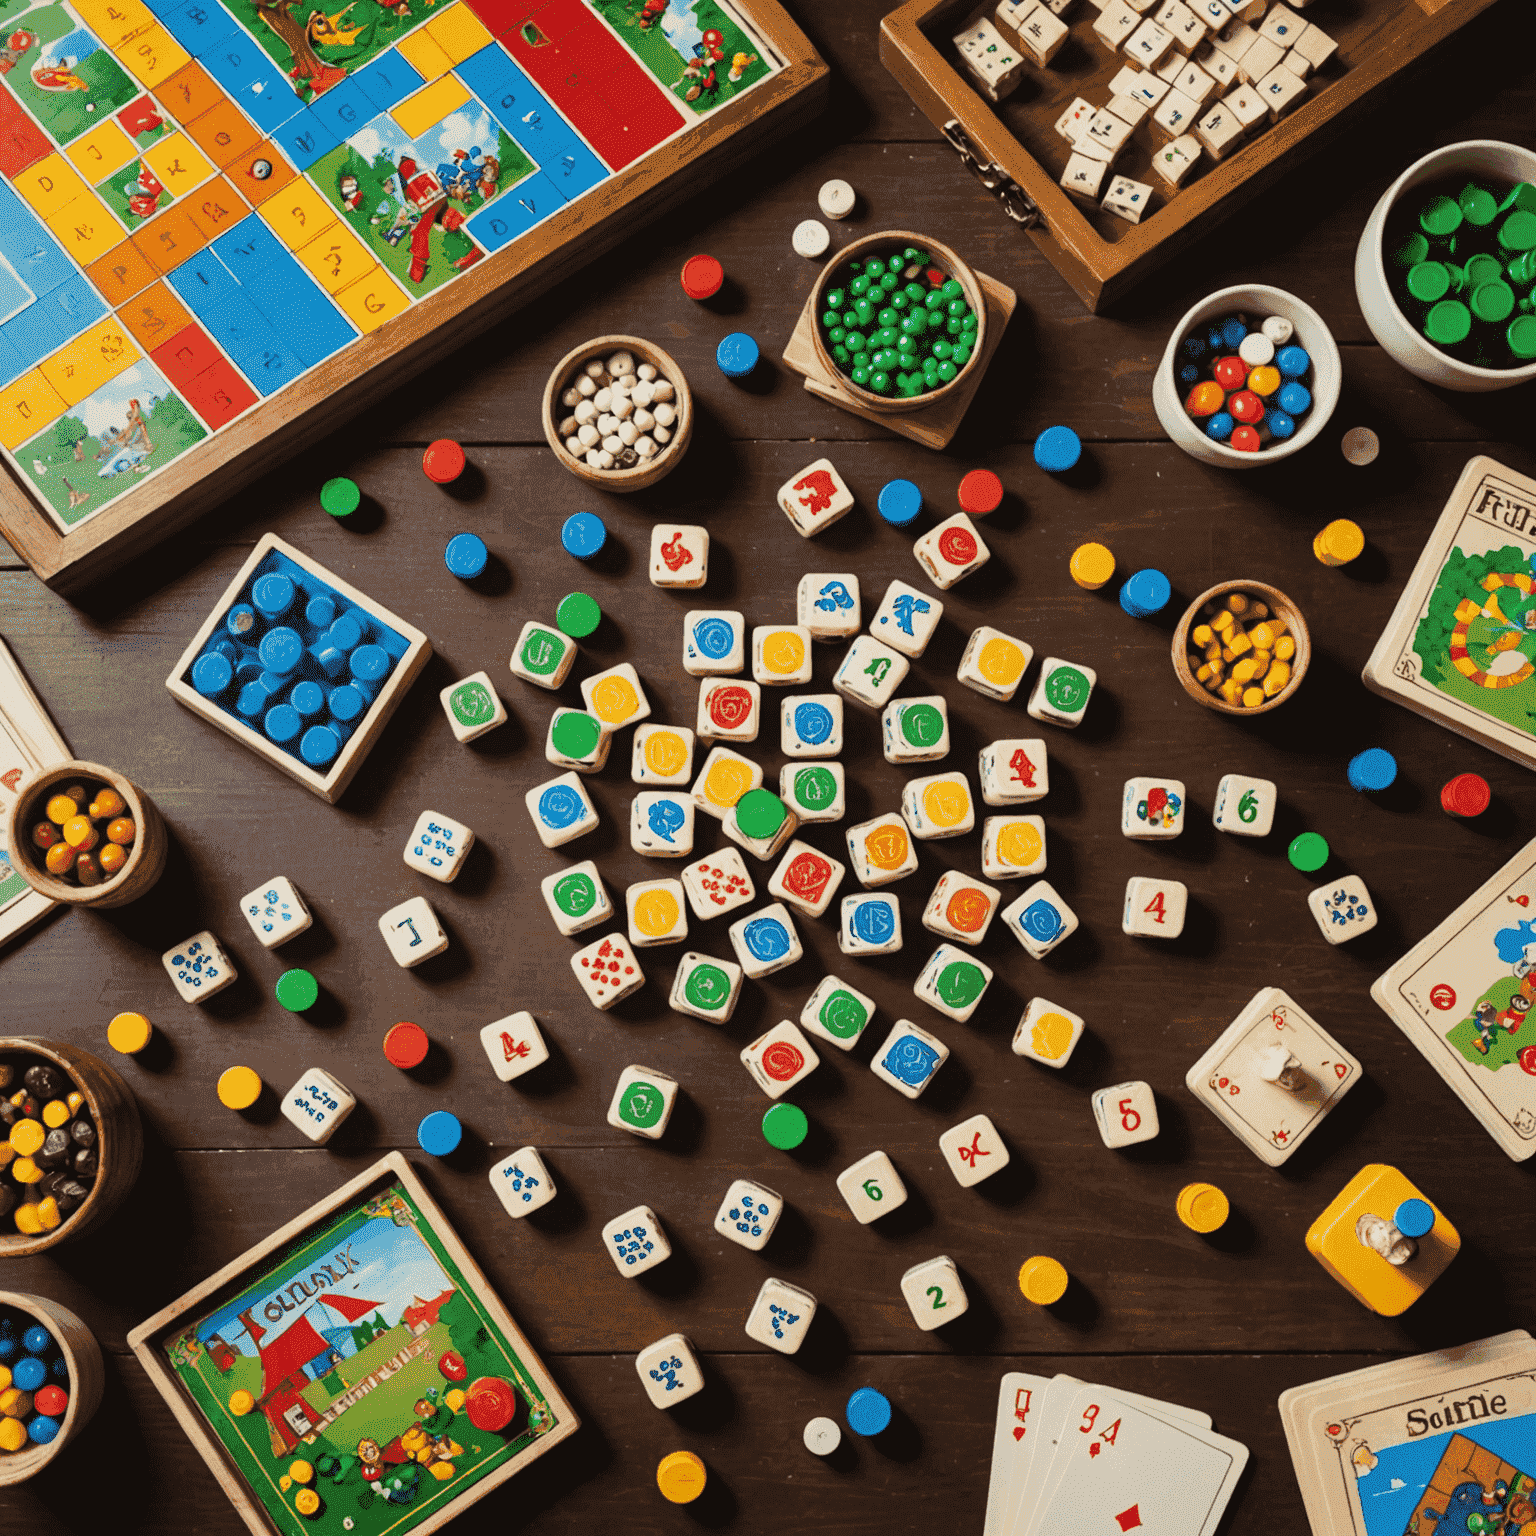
[(1463, 995)]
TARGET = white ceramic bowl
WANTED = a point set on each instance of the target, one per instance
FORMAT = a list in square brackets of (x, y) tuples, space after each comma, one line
[(1311, 333), (1399, 338)]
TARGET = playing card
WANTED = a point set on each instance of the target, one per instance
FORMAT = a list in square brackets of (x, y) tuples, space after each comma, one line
[(1462, 996), (28, 741), (1014, 1440)]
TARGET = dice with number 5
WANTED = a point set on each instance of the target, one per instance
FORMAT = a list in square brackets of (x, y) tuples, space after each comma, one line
[(1125, 1114)]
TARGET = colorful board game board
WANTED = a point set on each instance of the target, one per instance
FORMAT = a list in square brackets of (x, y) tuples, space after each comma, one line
[(203, 200)]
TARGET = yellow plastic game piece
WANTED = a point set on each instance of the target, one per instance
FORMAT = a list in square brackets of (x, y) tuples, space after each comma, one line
[(298, 215), (372, 299), (106, 148), (455, 1399), (56, 1113), (681, 1477), (89, 361), (430, 105), (5, 1377), (48, 1213), (241, 1402), (336, 259), (47, 186), (425, 55), (307, 1502), (301, 1471), (13, 1434), (1203, 1208), (239, 1087), (27, 1221), (443, 1471), (285, 1482), (1340, 542), (178, 162), (129, 1033), (1092, 566), (459, 33), (14, 1403), (1336, 1242), (25, 1171), (115, 21), (1043, 1280), (27, 1137), (153, 56)]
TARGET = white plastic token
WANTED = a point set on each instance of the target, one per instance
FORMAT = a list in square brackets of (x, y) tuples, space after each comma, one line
[(1278, 329), (1257, 349), (836, 199), (810, 238), (1361, 446), (822, 1436)]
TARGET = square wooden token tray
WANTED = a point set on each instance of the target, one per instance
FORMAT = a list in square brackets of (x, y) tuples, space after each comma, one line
[(1014, 149)]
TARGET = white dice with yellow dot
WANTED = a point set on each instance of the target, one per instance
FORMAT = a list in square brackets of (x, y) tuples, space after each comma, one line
[(938, 806), (662, 756), (915, 730), (837, 1013), (881, 851), (725, 777), (872, 1188), (974, 1150), (827, 603), (781, 654), (1040, 920), (714, 642), (658, 913), (994, 664), (1012, 847), (576, 898), (871, 672), (933, 1293), (961, 908), (1047, 1033), (1125, 1114), (1154, 909), (616, 697), (1014, 771), (906, 619)]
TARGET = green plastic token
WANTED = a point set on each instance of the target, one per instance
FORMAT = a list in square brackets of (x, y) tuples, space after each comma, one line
[(1449, 323), (1522, 338), (575, 734), (297, 990), (785, 1127), (760, 813), (1521, 195), (1440, 218), (340, 497), (1481, 269), (1308, 852), (578, 615), (1429, 282), (1493, 302), (1478, 206), (1518, 231)]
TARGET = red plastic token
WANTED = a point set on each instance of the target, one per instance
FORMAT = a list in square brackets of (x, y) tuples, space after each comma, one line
[(1466, 795), (1246, 406), (1230, 372), (1246, 440), (490, 1403), (451, 1364), (443, 461), (1205, 399), (980, 492), (50, 1400), (936, 278), (703, 277), (406, 1046)]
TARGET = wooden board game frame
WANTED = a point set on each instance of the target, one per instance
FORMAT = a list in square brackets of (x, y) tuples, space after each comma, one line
[(377, 363), (149, 1343), (1098, 270)]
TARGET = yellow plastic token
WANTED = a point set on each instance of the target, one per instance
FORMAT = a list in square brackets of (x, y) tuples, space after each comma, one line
[(1092, 566), (239, 1087), (1339, 543), (26, 1220), (48, 1215), (307, 1502), (1043, 1280), (1203, 1207), (656, 913), (1264, 380), (13, 1434), (27, 1137), (443, 1471), (946, 803), (301, 1471), (5, 1377), (14, 1403), (285, 1482), (241, 1403), (614, 700), (129, 1033), (25, 1171), (55, 1114), (1018, 844), (455, 1400), (61, 808), (681, 1477), (665, 753), (80, 834)]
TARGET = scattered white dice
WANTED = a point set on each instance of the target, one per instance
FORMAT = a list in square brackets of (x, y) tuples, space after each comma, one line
[(514, 1045), (1040, 920), (1014, 771), (725, 777), (1152, 809), (706, 988), (1244, 806), (1012, 847), (608, 971), (837, 1013), (657, 911), (939, 805), (974, 1150), (413, 932), (766, 941), (953, 982), (714, 642), (473, 706), (1343, 908), (317, 1104), (780, 1058), (438, 846), (815, 792), (635, 1241), (576, 898), (870, 672), (994, 664), (718, 884), (815, 498), (806, 879), (1128, 198), (781, 654), (642, 1102), (951, 551), (1047, 1033), (881, 851), (661, 824), (961, 908), (679, 555), (811, 725), (870, 925), (933, 1293), (748, 1214), (915, 730), (669, 1371), (662, 756), (560, 810), (616, 697), (781, 1316), (827, 603), (276, 912), (1154, 909), (1125, 1114), (872, 1187), (730, 709), (906, 619), (543, 656), (199, 967), (522, 1182), (577, 740), (908, 1058), (1061, 692)]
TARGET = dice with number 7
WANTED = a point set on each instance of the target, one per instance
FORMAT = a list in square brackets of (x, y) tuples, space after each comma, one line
[(1125, 1114)]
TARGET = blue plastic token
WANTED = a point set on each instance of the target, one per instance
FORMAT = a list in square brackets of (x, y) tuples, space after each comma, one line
[(272, 594), (1220, 426), (370, 663), (440, 1133), (308, 698), (1294, 399), (899, 502), (1281, 424), (1058, 449), (737, 355), (29, 1374), (1145, 593), (465, 556), (253, 699), (1375, 768), (1292, 362), (280, 650), (346, 702), (869, 1412), (319, 746), (1413, 1218), (1232, 332), (1189, 375), (283, 722), (345, 633), (320, 612), (42, 1429), (212, 674), (583, 535)]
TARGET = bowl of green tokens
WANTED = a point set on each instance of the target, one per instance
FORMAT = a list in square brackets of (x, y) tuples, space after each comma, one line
[(900, 320), (1446, 267)]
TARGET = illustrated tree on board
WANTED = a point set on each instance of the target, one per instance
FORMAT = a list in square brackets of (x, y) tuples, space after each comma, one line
[(308, 67)]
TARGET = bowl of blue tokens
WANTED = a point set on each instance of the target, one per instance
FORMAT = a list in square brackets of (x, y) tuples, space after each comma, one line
[(50, 1364), (1250, 375)]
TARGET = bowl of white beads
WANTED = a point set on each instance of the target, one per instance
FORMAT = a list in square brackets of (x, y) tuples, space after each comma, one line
[(618, 412)]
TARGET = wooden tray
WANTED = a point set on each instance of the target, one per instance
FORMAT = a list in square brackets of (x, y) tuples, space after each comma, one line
[(1014, 148)]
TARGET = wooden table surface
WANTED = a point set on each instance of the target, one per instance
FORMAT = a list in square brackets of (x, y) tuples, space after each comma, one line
[(1224, 1325)]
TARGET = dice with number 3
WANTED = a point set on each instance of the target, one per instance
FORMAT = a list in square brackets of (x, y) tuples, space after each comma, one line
[(1125, 1114)]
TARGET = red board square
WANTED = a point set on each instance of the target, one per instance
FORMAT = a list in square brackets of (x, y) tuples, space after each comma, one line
[(219, 394), (500, 16), (187, 354), (556, 18), (22, 143)]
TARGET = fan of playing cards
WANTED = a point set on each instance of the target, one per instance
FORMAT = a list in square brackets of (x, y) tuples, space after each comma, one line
[(1068, 1456)]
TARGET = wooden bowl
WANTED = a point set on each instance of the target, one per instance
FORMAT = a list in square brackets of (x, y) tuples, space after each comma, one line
[(120, 1141), (879, 245), (647, 472), (1280, 605), (87, 1376), (146, 858)]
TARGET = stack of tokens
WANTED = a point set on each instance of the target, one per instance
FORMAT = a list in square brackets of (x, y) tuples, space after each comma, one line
[(897, 324), (617, 413), (86, 834), (1462, 267), (51, 1152), (34, 1383), (1246, 383), (1246, 666)]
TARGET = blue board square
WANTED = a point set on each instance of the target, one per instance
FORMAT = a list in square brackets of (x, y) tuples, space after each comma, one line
[(268, 98), (76, 304), (15, 295), (11, 365), (574, 169), (270, 367), (344, 108), (198, 26), (515, 103), (248, 248), (203, 282), (34, 333), (304, 139), (387, 80), (298, 308), (234, 61), (38, 258), (530, 202), (240, 328)]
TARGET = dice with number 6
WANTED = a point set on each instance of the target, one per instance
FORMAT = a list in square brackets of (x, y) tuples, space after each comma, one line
[(872, 1187), (1244, 806), (1125, 1114)]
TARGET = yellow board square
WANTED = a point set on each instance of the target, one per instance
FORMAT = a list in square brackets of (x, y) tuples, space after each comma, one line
[(297, 214), (106, 148), (178, 162), (89, 361), (115, 21), (48, 185), (336, 258), (372, 300), (26, 407), (424, 55), (153, 56), (85, 228), (458, 32), (430, 105)]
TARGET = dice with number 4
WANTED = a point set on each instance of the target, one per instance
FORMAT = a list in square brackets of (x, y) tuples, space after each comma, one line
[(934, 1294), (1125, 1114), (1154, 909), (872, 1188), (1014, 771)]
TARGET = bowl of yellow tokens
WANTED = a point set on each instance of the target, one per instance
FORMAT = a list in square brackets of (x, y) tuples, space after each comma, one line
[(1242, 648)]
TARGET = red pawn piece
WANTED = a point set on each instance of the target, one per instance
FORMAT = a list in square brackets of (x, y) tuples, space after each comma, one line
[(405, 1046), (443, 461), (451, 1364), (1466, 795), (703, 277), (1246, 406), (1230, 372), (1245, 440), (980, 492), (490, 1403)]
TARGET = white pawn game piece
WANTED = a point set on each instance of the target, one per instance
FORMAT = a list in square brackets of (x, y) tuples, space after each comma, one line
[(514, 1045), (908, 1058), (199, 967), (871, 672), (815, 498), (821, 1436), (974, 1150), (438, 846), (706, 988), (871, 925), (661, 825), (725, 777), (1047, 1033), (608, 971), (616, 697), (827, 603), (576, 898), (938, 806), (730, 709), (317, 1104), (781, 654), (1343, 908), (994, 663), (1014, 771), (1061, 692), (1154, 909), (635, 1241), (522, 1182), (780, 1058), (543, 656), (1275, 1064), (906, 619), (679, 555), (838, 1013), (1125, 1114), (1152, 809), (1278, 329), (669, 1371), (1245, 807), (642, 1102), (915, 730), (961, 908), (1012, 847), (814, 792), (714, 642), (806, 879), (473, 706), (933, 1293), (953, 983), (413, 932), (662, 756), (810, 238), (781, 1316), (811, 725), (836, 199), (561, 810), (276, 912), (1040, 920), (577, 740), (766, 941), (951, 551), (749, 1213), (871, 1187), (658, 913), (718, 884), (881, 851)]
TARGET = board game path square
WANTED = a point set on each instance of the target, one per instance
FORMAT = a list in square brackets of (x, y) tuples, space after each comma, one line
[(188, 353), (121, 273), (257, 189), (168, 240), (154, 316), (189, 93), (216, 208), (219, 394), (22, 143), (223, 133)]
